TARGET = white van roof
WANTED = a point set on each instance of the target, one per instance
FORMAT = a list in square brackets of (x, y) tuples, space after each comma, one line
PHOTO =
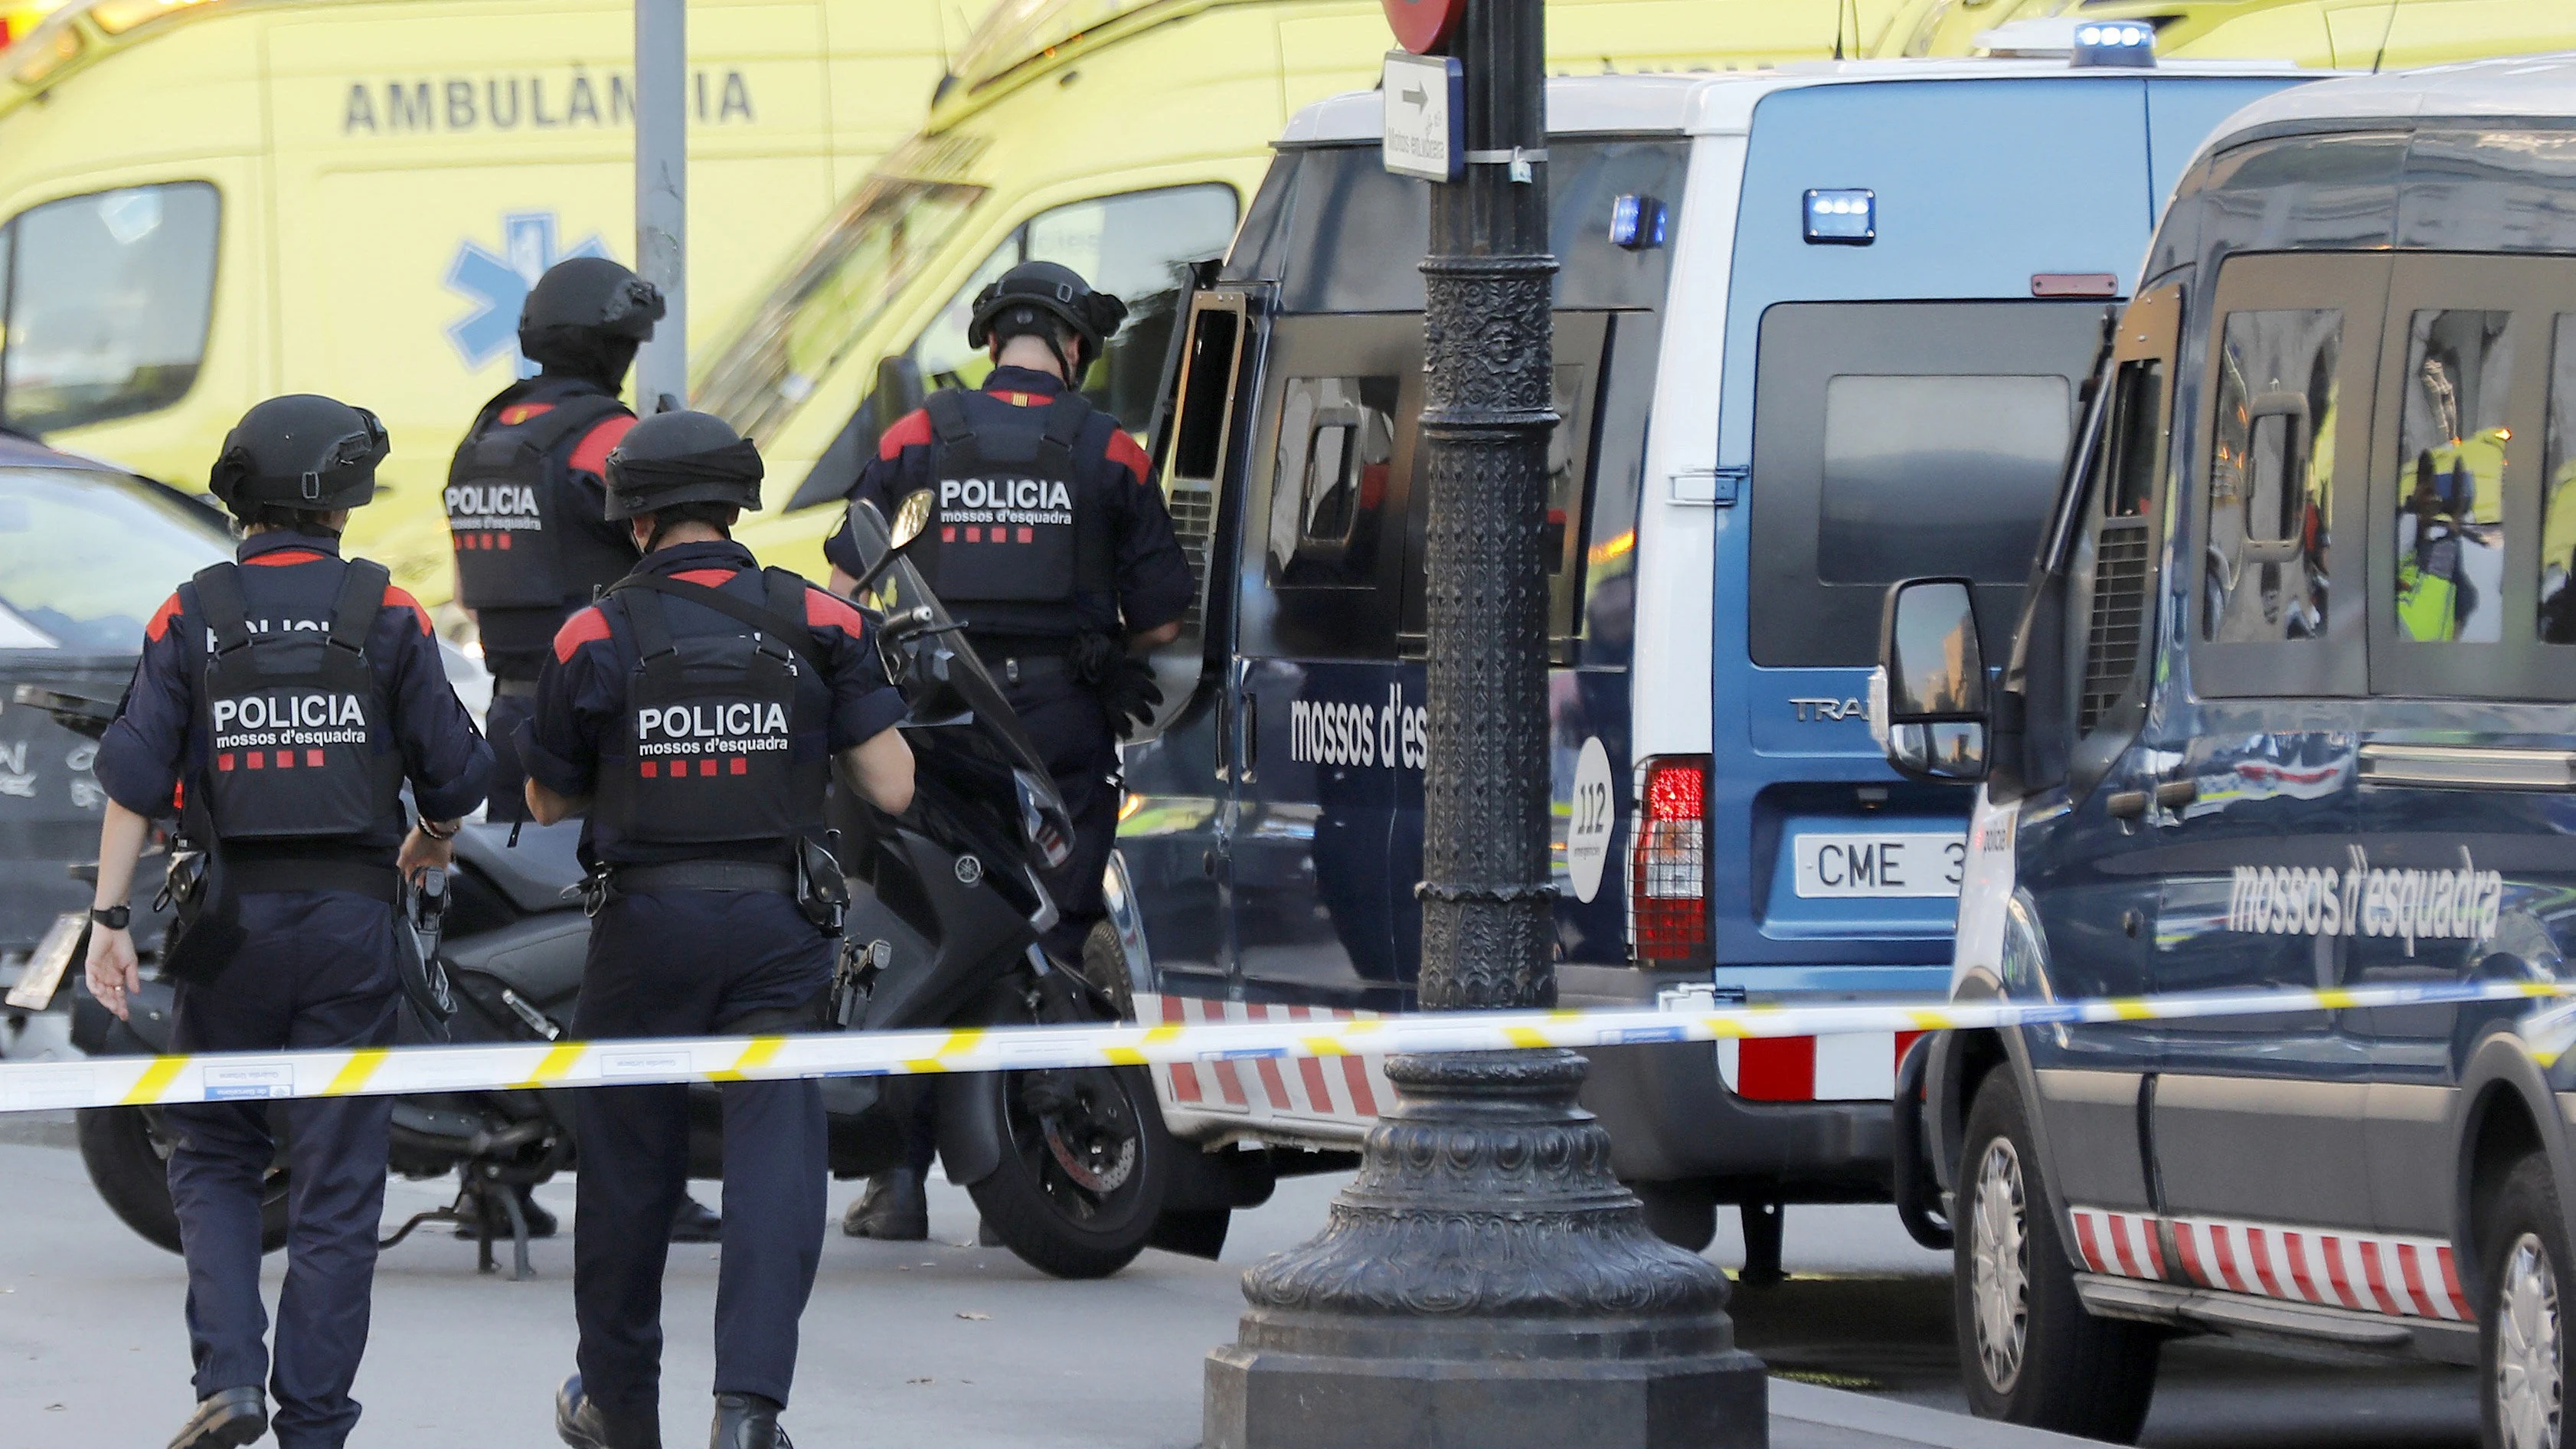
[(1722, 103), (2526, 85)]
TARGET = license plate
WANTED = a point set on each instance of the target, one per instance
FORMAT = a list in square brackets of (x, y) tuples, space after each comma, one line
[(1908, 864)]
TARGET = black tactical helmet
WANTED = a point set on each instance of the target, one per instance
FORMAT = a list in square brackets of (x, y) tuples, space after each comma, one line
[(302, 451), (582, 302), (681, 457), (1022, 303)]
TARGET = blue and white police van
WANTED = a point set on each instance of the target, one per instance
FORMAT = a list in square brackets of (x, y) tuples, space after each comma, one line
[(1816, 329), (2285, 702)]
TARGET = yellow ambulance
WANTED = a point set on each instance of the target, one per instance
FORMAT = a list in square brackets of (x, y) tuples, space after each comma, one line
[(203, 202), (1121, 140), (2349, 34)]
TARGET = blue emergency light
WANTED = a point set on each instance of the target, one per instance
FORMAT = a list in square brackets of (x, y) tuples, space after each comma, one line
[(1636, 223), (1842, 218), (2127, 43)]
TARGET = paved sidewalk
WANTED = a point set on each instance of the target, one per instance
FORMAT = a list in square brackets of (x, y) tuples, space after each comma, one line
[(927, 1343)]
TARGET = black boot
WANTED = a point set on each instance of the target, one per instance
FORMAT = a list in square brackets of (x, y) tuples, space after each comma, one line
[(747, 1421), (225, 1419), (579, 1423), (695, 1222), (895, 1209)]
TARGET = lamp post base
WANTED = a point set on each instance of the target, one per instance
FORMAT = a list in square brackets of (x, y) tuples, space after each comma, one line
[(1486, 1283)]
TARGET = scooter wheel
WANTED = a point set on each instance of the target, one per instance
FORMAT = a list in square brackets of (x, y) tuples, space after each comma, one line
[(129, 1164), (1081, 1178)]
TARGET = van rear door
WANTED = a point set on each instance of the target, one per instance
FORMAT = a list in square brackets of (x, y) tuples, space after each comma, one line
[(1891, 440)]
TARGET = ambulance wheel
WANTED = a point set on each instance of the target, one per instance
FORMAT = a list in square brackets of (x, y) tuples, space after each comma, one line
[(129, 1164), (2522, 1340), (2028, 1352), (1080, 1182)]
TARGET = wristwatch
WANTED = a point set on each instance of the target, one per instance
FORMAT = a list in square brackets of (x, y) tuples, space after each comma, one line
[(115, 918)]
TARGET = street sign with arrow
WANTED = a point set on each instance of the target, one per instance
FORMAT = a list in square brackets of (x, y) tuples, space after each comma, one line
[(1424, 99)]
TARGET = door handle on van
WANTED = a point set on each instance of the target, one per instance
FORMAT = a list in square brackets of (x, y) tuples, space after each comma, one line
[(2468, 767), (1250, 705), (2132, 804)]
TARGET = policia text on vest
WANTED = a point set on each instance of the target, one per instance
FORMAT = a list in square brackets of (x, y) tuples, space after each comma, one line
[(527, 508)]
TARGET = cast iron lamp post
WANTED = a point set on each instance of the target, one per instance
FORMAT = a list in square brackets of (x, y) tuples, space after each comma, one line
[(1486, 1283)]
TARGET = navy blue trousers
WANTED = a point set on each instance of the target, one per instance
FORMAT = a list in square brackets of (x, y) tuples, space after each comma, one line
[(692, 963), (508, 800), (317, 971), (1079, 746)]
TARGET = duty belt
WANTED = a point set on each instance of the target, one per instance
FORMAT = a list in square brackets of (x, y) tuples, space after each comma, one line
[(253, 877), (687, 875), (1033, 668)]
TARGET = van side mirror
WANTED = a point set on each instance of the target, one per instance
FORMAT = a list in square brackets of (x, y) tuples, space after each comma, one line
[(899, 391), (1935, 680), (911, 517)]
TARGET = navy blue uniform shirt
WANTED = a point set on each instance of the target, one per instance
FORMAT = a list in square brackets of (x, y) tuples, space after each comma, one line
[(581, 696), (290, 581), (1152, 574)]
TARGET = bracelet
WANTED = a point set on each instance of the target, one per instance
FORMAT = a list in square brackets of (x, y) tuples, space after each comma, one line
[(434, 833)]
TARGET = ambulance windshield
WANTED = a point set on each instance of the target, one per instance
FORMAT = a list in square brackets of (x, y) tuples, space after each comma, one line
[(826, 300), (104, 303)]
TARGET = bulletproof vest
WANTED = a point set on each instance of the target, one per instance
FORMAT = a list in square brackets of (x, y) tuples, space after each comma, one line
[(508, 497), (293, 718), (704, 752), (1015, 526)]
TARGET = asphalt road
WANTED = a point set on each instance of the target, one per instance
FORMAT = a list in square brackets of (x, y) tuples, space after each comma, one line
[(945, 1342)]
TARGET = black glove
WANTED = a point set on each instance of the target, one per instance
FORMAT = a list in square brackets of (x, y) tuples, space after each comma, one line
[(1093, 659), (1131, 695)]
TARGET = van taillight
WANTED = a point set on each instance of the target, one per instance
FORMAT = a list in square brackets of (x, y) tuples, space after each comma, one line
[(1669, 896)]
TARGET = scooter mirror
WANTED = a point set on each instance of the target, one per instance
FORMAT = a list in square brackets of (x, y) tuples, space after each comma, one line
[(911, 516)]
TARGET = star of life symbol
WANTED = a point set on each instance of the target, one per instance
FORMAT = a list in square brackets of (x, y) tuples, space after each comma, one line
[(500, 280)]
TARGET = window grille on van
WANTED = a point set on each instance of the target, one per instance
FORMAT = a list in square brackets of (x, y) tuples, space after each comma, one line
[(1193, 510), (2118, 626)]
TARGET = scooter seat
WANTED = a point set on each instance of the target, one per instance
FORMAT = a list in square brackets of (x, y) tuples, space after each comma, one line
[(533, 875)]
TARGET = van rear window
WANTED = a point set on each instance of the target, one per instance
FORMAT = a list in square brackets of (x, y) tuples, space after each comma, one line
[(1989, 448), (1900, 439)]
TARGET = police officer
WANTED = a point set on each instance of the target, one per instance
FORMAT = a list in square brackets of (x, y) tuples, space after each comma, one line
[(526, 509), (1053, 547), (695, 711), (528, 514), (287, 698)]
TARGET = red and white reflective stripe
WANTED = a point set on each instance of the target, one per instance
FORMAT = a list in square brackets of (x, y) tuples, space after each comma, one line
[(2122, 1244), (1352, 1088), (2366, 1272), (1860, 1067)]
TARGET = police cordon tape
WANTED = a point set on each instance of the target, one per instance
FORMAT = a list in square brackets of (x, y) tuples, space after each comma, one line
[(232, 1076)]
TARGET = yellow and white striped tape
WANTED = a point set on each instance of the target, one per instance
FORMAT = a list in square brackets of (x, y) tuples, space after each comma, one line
[(144, 1081)]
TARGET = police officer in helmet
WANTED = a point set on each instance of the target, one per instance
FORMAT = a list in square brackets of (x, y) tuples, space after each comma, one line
[(526, 507), (527, 511), (285, 698), (695, 712), (1053, 546)]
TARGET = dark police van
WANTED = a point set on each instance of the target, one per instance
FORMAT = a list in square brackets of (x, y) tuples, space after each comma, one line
[(2289, 705), (1787, 306)]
